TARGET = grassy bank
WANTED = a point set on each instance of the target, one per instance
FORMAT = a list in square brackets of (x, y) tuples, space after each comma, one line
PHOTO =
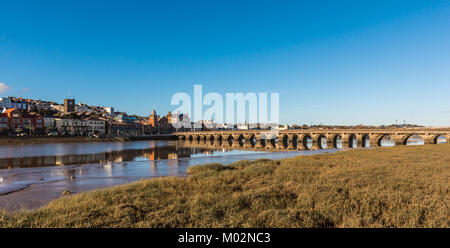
[(384, 187)]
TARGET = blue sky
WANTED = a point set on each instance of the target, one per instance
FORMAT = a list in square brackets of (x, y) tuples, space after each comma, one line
[(333, 62)]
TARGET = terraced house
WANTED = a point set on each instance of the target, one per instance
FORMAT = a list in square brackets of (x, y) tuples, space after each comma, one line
[(73, 127), (15, 121), (4, 123)]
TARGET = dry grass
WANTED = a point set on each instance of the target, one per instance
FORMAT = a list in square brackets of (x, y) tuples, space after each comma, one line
[(384, 187)]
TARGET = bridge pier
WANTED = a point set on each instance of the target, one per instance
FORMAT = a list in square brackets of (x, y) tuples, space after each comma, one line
[(375, 140), (346, 141), (292, 141), (331, 141), (359, 140), (217, 143), (248, 144), (400, 139), (236, 144), (301, 142), (362, 139), (260, 144), (270, 144), (249, 137), (317, 141), (227, 144), (429, 139), (280, 145)]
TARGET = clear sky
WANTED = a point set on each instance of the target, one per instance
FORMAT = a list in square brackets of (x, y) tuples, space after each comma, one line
[(333, 62)]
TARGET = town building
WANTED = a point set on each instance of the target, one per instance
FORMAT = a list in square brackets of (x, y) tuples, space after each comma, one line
[(20, 121), (160, 124), (49, 121), (33, 123), (109, 111), (74, 127), (69, 105), (4, 123), (15, 121), (71, 127), (125, 129), (96, 127), (243, 126), (181, 122), (13, 102), (124, 118)]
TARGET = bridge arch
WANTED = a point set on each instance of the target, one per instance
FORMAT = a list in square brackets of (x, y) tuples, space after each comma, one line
[(228, 137), (238, 138), (304, 142), (293, 141), (410, 139), (283, 138), (352, 140), (381, 140), (250, 137), (333, 140), (434, 138), (365, 140), (321, 141), (349, 140), (442, 138)]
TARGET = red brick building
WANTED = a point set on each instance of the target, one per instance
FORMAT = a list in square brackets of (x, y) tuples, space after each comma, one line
[(18, 121), (4, 123), (15, 119)]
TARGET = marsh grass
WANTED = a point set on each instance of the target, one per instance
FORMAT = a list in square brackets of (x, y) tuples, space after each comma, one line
[(404, 186)]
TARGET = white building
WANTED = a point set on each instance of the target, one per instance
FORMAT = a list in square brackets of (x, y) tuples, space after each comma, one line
[(49, 121), (243, 126), (80, 127), (180, 121), (285, 127), (80, 107), (96, 127), (57, 107), (109, 111)]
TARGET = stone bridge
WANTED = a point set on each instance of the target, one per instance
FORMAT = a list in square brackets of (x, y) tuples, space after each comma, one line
[(320, 139)]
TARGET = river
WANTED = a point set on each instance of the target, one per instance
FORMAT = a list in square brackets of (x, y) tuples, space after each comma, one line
[(31, 175)]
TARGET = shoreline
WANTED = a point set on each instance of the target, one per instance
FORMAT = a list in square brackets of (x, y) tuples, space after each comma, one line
[(352, 188), (93, 176), (47, 140)]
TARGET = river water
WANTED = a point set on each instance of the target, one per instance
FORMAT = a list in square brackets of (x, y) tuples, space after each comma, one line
[(31, 175)]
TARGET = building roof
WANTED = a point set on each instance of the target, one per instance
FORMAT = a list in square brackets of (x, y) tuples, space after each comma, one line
[(7, 111)]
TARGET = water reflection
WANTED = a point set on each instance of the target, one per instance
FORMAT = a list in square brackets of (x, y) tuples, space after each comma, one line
[(32, 181), (168, 152)]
